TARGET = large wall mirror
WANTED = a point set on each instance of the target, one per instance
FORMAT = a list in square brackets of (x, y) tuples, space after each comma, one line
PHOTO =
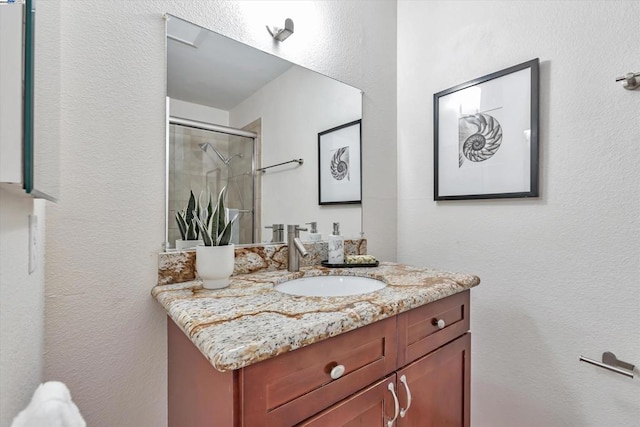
[(248, 120)]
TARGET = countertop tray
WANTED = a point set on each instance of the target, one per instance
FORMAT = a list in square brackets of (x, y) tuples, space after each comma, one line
[(325, 263)]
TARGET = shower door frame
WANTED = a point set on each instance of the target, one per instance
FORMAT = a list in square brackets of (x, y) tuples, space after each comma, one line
[(180, 121)]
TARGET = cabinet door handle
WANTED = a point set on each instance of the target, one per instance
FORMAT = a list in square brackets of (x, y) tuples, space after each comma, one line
[(337, 372), (440, 323), (396, 406), (403, 412)]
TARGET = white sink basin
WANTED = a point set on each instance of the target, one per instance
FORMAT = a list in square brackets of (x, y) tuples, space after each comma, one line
[(330, 286)]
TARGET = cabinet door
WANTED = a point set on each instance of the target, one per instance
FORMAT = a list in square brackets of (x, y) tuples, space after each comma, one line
[(11, 55), (439, 387), (372, 407)]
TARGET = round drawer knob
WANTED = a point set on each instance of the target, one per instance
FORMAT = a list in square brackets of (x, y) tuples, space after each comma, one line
[(337, 372), (441, 324)]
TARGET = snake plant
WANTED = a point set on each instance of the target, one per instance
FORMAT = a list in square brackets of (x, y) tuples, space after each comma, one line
[(186, 220), (213, 224)]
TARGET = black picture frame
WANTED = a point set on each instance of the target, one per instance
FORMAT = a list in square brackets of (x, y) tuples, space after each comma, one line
[(478, 155), (340, 165)]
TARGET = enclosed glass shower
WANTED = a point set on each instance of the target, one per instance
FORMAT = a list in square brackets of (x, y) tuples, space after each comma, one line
[(203, 160)]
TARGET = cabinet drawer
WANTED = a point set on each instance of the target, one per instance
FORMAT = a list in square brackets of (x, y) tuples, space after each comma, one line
[(419, 332), (290, 388)]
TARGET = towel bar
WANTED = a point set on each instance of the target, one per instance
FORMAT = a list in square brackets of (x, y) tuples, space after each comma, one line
[(264, 169), (611, 362), (631, 81)]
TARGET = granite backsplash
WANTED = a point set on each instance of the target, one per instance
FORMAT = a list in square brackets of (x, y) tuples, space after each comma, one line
[(180, 266)]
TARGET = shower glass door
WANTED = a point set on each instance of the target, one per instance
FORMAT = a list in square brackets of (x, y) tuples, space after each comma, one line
[(205, 161)]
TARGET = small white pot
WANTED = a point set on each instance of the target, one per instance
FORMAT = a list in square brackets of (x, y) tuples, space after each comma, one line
[(181, 245), (214, 265)]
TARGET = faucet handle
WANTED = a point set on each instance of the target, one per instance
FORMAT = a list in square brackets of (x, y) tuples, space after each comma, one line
[(295, 229), (275, 226)]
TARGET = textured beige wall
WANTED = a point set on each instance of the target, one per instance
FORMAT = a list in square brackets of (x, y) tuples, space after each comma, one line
[(559, 273), (22, 325), (21, 304), (105, 335), (308, 103)]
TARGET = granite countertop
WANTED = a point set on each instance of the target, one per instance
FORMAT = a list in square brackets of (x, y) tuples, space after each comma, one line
[(250, 321)]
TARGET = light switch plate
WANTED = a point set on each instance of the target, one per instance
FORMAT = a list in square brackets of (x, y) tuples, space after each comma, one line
[(33, 243)]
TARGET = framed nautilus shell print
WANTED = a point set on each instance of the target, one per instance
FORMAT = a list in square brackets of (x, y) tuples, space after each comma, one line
[(339, 165), (486, 136)]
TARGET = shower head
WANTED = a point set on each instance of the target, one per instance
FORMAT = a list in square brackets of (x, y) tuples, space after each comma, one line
[(205, 146)]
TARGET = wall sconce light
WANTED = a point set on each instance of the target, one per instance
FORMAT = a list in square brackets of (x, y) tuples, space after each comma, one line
[(281, 34)]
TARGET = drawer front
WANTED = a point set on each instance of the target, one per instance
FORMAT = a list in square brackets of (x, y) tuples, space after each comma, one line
[(290, 388), (422, 330)]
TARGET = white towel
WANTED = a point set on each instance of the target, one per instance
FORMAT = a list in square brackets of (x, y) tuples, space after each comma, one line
[(50, 406)]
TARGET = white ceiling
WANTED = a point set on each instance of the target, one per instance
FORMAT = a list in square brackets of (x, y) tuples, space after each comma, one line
[(218, 72)]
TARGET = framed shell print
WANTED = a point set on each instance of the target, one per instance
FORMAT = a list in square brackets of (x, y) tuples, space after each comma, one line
[(340, 165), (486, 136)]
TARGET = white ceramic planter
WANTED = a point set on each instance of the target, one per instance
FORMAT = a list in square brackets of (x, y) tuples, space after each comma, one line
[(214, 265), (181, 245)]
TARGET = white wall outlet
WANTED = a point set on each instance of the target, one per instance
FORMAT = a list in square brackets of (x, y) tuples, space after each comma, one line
[(33, 243)]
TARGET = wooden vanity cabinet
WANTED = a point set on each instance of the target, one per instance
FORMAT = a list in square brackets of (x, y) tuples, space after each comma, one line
[(426, 348), (439, 386), (435, 364)]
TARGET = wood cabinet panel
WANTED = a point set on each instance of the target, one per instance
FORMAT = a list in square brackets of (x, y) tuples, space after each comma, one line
[(418, 332), (439, 383), (199, 396), (371, 407), (287, 389)]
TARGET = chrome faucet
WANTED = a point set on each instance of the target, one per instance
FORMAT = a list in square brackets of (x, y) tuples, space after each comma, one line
[(295, 247), (278, 233)]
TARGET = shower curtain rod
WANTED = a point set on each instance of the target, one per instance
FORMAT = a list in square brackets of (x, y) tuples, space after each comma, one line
[(209, 126)]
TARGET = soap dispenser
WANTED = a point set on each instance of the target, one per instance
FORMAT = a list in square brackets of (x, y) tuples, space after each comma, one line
[(313, 234), (336, 246)]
